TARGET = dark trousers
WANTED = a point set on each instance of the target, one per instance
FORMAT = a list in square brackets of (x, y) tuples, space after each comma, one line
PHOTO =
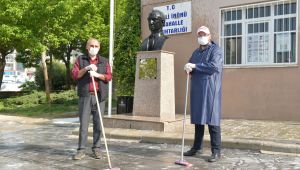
[(215, 138), (88, 106)]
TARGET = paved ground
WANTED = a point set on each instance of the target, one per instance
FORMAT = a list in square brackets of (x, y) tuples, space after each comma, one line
[(274, 136), (27, 143)]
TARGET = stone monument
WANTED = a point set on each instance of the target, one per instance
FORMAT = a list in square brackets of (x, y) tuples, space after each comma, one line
[(154, 85), (154, 93), (154, 78)]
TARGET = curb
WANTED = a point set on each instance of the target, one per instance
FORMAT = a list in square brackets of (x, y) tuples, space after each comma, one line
[(175, 138)]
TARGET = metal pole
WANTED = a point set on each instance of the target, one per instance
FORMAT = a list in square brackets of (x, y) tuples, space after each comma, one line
[(111, 52), (185, 108)]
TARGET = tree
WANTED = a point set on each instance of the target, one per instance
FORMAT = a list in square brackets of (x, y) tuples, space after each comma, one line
[(128, 41), (44, 18), (39, 18), (81, 20), (60, 26), (12, 32), (57, 26), (57, 73)]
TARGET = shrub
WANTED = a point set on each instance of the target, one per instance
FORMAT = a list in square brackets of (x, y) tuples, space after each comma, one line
[(28, 100), (57, 75), (29, 86), (65, 97), (1, 105), (37, 98)]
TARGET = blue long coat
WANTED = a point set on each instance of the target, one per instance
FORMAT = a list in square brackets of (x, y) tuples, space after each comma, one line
[(206, 85)]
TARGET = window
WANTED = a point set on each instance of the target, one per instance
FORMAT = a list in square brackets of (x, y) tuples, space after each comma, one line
[(233, 36), (9, 58), (9, 66), (260, 34)]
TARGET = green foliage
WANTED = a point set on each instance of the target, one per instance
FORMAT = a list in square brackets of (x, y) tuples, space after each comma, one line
[(94, 16), (29, 100), (1, 105), (127, 44), (65, 97), (58, 72), (29, 86), (11, 31), (63, 104), (28, 58), (34, 104), (148, 68), (44, 111), (60, 26)]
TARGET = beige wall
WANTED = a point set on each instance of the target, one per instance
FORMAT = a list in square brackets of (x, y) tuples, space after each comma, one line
[(248, 93)]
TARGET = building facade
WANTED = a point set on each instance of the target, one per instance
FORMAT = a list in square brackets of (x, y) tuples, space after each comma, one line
[(260, 42), (15, 74), (13, 71)]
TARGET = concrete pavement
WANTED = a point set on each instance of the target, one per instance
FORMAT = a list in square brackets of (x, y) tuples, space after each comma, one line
[(265, 136), (30, 143)]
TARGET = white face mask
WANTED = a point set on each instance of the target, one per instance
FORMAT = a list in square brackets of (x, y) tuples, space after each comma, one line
[(93, 51), (204, 40)]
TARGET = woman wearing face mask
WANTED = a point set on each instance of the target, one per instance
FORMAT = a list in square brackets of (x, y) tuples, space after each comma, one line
[(86, 67), (205, 67)]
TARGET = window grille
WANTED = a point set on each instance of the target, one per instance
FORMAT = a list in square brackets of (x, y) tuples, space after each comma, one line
[(262, 34)]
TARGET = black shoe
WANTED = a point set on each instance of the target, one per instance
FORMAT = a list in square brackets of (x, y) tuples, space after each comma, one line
[(214, 158), (192, 152), (79, 155)]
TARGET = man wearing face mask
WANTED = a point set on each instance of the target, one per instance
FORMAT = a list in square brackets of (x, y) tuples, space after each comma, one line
[(205, 67), (86, 67)]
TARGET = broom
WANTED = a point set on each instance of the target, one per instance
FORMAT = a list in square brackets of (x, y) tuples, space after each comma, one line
[(101, 122), (181, 161)]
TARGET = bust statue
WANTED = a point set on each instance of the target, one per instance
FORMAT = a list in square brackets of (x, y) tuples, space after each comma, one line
[(156, 21)]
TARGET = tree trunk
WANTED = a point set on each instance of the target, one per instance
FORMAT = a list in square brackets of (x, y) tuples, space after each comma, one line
[(50, 73), (68, 75), (2, 66), (47, 89), (68, 69)]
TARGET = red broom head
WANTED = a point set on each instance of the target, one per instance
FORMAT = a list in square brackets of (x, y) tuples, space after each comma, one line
[(183, 163)]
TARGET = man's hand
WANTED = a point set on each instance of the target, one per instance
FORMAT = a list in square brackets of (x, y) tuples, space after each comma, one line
[(94, 74), (92, 67), (189, 67), (192, 65)]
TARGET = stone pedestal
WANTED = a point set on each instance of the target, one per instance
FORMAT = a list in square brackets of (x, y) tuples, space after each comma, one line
[(154, 85), (124, 121), (154, 95)]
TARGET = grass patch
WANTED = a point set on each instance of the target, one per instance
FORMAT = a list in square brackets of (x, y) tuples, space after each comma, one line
[(63, 104), (43, 110)]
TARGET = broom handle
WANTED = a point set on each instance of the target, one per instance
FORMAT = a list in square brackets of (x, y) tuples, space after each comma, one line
[(185, 108), (101, 122)]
